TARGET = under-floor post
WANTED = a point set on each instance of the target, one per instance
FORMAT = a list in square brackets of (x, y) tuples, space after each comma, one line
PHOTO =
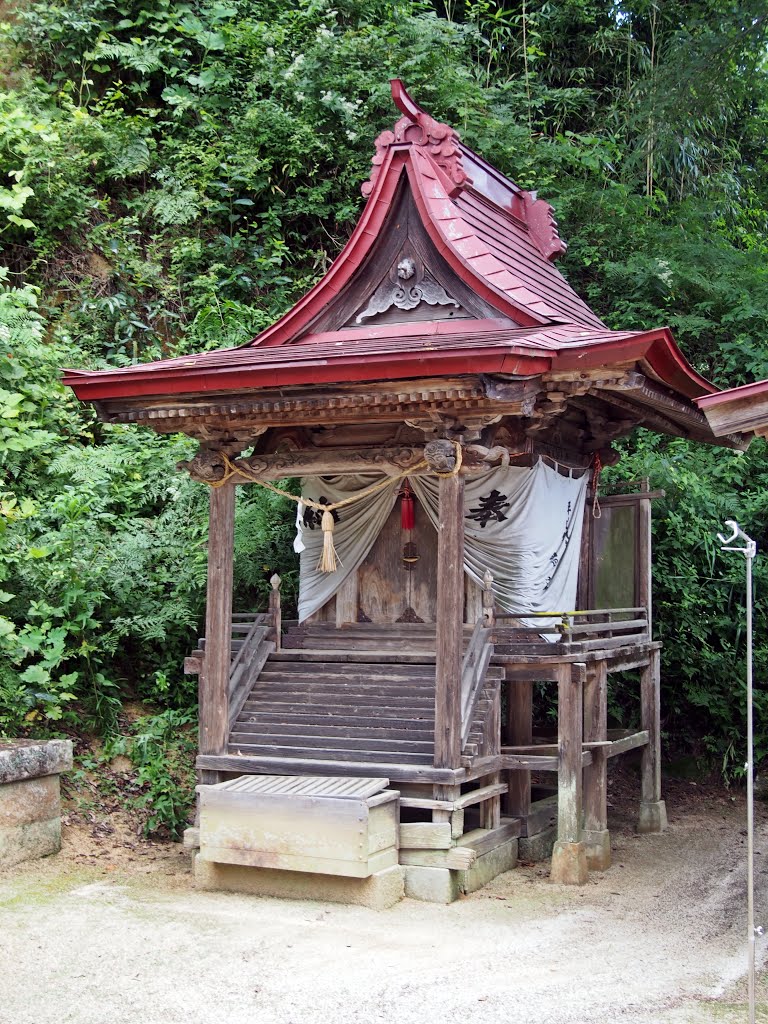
[(569, 857), (519, 733), (653, 811), (214, 679), (596, 836), (450, 622)]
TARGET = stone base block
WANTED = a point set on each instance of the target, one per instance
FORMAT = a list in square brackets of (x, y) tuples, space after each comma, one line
[(29, 800), (538, 846), (432, 885), (29, 841), (488, 866), (653, 817), (598, 846), (569, 864), (380, 891), (29, 759)]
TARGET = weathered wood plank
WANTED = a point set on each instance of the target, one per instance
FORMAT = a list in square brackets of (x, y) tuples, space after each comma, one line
[(596, 729), (450, 620), (650, 718), (268, 765), (519, 731), (458, 858), (569, 737), (483, 840), (425, 835), (213, 687)]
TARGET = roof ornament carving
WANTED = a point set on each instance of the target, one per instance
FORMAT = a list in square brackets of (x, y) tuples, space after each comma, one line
[(416, 128), (543, 227), (407, 285)]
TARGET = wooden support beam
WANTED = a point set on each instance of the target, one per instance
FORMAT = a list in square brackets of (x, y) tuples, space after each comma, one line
[(569, 861), (214, 680), (596, 835), (449, 626), (519, 732), (653, 814)]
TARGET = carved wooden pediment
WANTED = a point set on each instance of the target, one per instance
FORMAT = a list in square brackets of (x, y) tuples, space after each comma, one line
[(408, 285)]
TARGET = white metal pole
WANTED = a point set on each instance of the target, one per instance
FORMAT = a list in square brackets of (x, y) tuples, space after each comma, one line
[(748, 550)]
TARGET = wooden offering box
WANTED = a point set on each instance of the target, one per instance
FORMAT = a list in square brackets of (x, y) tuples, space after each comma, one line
[(329, 826)]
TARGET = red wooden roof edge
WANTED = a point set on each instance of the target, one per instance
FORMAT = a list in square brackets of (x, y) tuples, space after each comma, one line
[(453, 349), (757, 389)]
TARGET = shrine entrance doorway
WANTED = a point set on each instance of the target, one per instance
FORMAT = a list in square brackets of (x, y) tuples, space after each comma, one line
[(397, 581)]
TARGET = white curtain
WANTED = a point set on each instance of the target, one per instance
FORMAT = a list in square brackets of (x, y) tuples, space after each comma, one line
[(357, 527), (522, 524)]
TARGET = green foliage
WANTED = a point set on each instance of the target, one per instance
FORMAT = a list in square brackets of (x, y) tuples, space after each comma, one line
[(163, 750), (174, 175)]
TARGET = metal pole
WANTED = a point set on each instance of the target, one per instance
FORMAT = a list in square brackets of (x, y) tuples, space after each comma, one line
[(748, 550)]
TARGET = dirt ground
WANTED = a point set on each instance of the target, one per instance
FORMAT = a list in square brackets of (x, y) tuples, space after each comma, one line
[(112, 930)]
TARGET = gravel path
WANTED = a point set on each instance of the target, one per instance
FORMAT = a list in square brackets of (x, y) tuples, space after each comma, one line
[(658, 938)]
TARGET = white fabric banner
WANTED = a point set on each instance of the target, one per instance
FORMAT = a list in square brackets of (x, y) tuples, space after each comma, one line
[(357, 527), (522, 524)]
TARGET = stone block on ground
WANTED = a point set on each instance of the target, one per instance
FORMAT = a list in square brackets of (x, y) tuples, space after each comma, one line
[(488, 866), (379, 891), (29, 842), (598, 846), (569, 864), (30, 759), (432, 885), (653, 817), (538, 846)]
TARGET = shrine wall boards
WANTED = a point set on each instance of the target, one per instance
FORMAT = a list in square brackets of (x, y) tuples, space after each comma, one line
[(522, 524)]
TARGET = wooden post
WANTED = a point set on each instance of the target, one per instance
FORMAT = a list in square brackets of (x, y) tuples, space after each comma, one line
[(596, 836), (489, 600), (275, 609), (653, 811), (569, 859), (519, 733), (214, 681), (644, 558), (450, 620), (347, 601), (490, 810)]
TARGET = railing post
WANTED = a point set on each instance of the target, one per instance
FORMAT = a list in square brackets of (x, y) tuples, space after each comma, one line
[(275, 609), (489, 600)]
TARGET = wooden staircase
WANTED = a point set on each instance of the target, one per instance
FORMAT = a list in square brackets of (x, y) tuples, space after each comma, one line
[(350, 705)]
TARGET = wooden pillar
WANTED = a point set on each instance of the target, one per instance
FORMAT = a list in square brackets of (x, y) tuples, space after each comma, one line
[(653, 812), (569, 859), (596, 836), (450, 620), (644, 595), (214, 681), (519, 733)]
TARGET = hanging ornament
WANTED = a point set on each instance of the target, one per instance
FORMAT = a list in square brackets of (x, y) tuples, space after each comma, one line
[(407, 507), (407, 523), (410, 555)]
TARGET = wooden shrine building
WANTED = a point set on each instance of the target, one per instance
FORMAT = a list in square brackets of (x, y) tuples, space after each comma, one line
[(447, 401)]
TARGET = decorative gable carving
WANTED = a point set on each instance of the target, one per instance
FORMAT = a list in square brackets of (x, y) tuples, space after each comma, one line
[(407, 285), (416, 128)]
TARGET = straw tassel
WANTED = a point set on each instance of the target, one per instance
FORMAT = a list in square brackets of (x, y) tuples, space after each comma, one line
[(329, 560)]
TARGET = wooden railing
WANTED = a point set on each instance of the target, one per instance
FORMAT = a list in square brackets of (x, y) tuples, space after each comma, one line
[(574, 631), (254, 638)]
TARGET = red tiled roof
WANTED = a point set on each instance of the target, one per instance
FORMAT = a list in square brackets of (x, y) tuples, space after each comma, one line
[(498, 238)]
